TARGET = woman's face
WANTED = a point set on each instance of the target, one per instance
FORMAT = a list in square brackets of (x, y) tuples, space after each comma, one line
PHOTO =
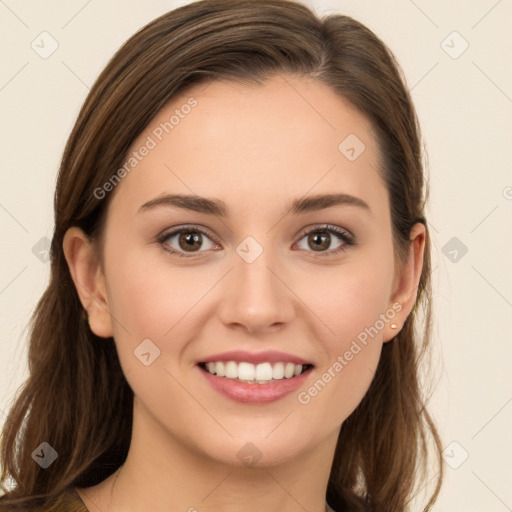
[(229, 267)]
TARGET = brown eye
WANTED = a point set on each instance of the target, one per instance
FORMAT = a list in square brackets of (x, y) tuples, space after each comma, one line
[(186, 240), (326, 240), (190, 241), (319, 242)]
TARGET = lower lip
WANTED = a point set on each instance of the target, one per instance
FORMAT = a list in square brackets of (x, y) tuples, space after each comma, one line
[(255, 393)]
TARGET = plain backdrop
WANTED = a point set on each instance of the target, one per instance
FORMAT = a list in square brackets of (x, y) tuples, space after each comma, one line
[(456, 59)]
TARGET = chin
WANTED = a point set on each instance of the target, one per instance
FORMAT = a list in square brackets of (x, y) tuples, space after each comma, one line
[(256, 450)]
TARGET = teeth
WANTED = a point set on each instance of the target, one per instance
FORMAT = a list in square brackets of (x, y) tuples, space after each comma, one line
[(289, 369), (231, 370), (278, 371), (245, 371), (260, 373), (263, 371)]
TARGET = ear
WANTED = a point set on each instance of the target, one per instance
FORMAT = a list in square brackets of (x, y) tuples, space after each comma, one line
[(406, 282), (89, 280)]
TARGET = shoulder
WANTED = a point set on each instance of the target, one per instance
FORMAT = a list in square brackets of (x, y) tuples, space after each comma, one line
[(339, 502), (68, 501)]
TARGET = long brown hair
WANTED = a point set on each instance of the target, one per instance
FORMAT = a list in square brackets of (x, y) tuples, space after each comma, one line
[(76, 397)]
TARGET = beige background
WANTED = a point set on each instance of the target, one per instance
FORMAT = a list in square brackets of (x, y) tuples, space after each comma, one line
[(464, 102)]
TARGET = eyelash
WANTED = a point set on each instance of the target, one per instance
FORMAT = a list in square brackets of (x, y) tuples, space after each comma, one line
[(343, 235)]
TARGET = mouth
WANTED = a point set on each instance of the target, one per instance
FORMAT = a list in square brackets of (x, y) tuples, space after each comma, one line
[(266, 377), (249, 373)]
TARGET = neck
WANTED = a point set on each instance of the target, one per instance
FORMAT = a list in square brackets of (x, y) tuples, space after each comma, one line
[(162, 473)]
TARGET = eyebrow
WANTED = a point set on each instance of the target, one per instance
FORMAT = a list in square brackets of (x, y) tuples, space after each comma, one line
[(219, 208)]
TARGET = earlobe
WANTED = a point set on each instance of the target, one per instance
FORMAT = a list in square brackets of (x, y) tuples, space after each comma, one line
[(89, 280), (407, 280)]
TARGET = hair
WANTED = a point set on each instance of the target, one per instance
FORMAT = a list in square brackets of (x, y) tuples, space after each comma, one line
[(76, 397)]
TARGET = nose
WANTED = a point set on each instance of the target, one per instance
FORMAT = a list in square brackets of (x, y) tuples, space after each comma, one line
[(256, 297)]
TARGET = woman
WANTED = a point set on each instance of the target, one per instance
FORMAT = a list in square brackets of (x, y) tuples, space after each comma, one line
[(239, 257)]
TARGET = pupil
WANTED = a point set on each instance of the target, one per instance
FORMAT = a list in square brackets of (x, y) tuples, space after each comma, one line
[(191, 239), (320, 241)]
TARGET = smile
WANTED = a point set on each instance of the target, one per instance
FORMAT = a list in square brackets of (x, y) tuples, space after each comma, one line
[(262, 373)]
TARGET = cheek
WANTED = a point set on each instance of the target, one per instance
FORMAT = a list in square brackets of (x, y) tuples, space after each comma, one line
[(151, 298), (352, 348), (351, 301), (350, 298)]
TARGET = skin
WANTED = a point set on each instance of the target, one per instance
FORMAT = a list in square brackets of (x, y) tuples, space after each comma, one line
[(256, 148)]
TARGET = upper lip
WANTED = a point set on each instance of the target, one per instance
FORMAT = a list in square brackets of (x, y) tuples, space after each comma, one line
[(270, 356)]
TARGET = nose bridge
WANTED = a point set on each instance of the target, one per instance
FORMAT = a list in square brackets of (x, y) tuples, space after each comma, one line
[(256, 298)]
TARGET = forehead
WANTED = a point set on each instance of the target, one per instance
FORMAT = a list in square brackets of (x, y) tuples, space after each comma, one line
[(282, 138)]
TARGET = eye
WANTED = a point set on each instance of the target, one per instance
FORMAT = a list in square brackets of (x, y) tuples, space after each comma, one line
[(320, 239), (186, 240), (190, 240)]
